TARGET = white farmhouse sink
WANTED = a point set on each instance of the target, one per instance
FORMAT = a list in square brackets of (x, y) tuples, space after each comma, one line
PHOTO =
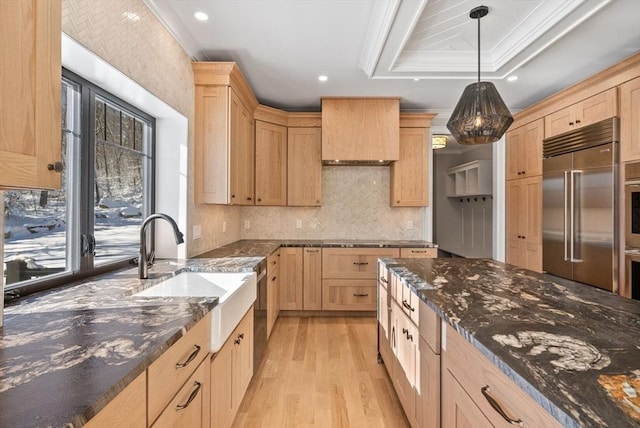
[(236, 292)]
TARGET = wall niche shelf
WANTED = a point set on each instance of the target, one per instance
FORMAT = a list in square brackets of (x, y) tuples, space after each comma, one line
[(470, 179)]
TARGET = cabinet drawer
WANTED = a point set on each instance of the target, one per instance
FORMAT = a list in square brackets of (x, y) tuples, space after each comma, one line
[(383, 276), (349, 295), (169, 372), (357, 263), (273, 261), (190, 406), (430, 327), (474, 372), (418, 253), (410, 303)]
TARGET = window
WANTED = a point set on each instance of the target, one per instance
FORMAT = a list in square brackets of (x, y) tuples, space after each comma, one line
[(92, 223)]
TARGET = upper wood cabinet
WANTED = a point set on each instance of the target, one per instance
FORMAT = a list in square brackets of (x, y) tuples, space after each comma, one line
[(524, 223), (410, 173), (360, 129), (30, 84), (524, 150), (630, 120), (304, 167), (590, 110), (271, 164), (224, 135)]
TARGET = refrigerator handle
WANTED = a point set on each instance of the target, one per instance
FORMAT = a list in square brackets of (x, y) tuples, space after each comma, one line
[(566, 214), (575, 175)]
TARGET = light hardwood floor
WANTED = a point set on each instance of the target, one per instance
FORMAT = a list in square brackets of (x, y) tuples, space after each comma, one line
[(321, 372)]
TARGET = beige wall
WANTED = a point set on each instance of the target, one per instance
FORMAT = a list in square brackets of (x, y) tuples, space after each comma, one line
[(355, 205), (144, 50)]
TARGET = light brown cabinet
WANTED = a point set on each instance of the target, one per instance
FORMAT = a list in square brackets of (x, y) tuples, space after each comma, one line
[(312, 279), (428, 372), (630, 120), (360, 128), (524, 150), (524, 223), (231, 372), (304, 167), (168, 374), (224, 135), (271, 164), (273, 290), (418, 253), (190, 406), (471, 382), (291, 273), (590, 110), (410, 173), (129, 408), (30, 84)]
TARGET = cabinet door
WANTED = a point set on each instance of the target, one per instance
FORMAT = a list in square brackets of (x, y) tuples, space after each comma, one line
[(458, 409), (596, 108), (559, 122), (312, 279), (242, 360), (190, 406), (30, 84), (127, 409), (291, 279), (221, 387), (531, 210), (531, 148), (405, 371), (271, 164), (304, 167), (428, 398), (513, 209), (630, 121), (410, 173), (242, 153), (273, 291), (512, 153)]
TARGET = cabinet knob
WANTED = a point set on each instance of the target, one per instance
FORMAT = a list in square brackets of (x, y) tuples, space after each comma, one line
[(248, 198), (577, 121), (259, 199), (570, 123), (233, 196), (56, 166)]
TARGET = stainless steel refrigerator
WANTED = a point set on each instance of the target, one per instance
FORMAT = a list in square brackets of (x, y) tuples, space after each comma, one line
[(579, 203)]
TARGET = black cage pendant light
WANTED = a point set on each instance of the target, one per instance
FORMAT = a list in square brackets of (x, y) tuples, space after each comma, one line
[(480, 117)]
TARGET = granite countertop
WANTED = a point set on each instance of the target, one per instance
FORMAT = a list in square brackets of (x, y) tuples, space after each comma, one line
[(65, 353), (262, 248), (573, 348)]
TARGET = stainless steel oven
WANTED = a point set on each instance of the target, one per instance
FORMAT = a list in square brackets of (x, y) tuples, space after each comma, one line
[(632, 269), (632, 205)]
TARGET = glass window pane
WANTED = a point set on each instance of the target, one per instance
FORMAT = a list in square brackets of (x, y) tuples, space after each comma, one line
[(36, 224)]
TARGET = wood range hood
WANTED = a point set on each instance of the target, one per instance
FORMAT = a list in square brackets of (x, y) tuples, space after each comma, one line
[(360, 131)]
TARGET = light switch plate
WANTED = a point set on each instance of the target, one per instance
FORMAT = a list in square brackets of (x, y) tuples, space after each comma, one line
[(409, 225), (197, 231), (298, 224), (224, 227), (247, 224)]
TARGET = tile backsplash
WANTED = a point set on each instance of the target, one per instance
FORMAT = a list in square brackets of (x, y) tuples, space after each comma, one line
[(355, 205)]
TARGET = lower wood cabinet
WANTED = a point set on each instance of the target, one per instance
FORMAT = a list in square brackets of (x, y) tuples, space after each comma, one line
[(231, 373), (190, 406), (524, 223), (418, 253), (128, 409), (349, 295), (312, 279), (471, 383), (273, 290), (404, 378), (291, 272)]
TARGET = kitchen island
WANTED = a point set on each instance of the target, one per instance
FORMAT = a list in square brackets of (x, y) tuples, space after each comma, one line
[(574, 349)]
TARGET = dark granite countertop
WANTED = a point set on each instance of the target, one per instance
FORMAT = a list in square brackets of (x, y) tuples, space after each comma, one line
[(573, 348), (262, 248), (65, 353)]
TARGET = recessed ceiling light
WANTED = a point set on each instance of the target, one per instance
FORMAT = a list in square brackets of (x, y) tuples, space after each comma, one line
[(416, 79), (131, 16), (323, 78), (201, 16), (512, 78)]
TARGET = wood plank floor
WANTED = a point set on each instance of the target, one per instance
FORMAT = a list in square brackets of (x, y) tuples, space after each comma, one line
[(321, 372)]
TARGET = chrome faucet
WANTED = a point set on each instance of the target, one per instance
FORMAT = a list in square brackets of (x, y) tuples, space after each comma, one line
[(144, 260)]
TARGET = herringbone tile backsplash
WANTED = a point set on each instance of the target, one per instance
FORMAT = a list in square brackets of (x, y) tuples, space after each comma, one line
[(355, 205)]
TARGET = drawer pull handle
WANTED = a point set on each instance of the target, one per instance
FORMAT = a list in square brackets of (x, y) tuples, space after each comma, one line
[(408, 306), (360, 294), (196, 350), (418, 251), (360, 263), (313, 251), (192, 396), (407, 335), (383, 279), (498, 408)]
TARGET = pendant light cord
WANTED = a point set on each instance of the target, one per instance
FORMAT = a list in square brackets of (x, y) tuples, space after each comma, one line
[(479, 49)]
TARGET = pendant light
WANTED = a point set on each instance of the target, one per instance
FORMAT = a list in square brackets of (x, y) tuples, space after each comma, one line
[(438, 142), (480, 117)]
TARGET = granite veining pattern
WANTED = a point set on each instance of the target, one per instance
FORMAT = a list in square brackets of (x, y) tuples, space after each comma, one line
[(573, 348), (64, 354)]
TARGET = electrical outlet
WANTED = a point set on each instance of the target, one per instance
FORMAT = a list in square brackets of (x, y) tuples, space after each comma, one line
[(247, 224), (409, 225), (298, 224), (224, 227), (197, 231)]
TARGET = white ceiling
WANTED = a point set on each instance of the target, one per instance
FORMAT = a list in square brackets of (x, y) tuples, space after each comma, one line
[(378, 47)]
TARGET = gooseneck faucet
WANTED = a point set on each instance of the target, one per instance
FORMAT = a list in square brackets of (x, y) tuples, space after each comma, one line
[(144, 260)]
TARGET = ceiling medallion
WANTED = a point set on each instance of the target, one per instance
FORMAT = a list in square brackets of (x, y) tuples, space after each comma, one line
[(480, 117)]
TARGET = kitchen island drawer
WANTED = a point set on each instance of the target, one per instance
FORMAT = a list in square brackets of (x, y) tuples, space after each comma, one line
[(357, 263), (169, 372), (485, 383), (349, 295), (418, 253)]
